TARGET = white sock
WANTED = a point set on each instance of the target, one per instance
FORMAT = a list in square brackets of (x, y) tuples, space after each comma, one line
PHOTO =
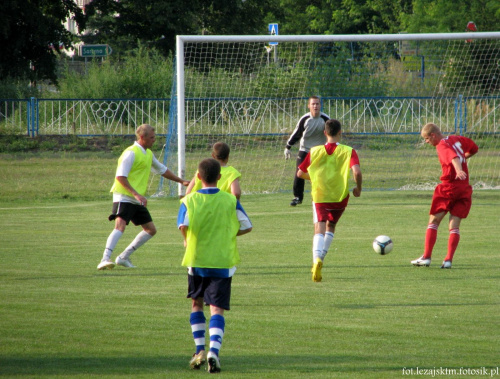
[(326, 244), (318, 242), (111, 243), (139, 240)]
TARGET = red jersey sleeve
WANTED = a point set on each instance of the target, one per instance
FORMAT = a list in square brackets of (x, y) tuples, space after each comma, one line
[(354, 158), (305, 163)]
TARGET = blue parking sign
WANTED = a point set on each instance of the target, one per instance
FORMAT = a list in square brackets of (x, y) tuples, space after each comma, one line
[(273, 30)]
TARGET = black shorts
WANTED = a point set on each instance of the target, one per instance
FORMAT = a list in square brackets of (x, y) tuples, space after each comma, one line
[(215, 291), (138, 214)]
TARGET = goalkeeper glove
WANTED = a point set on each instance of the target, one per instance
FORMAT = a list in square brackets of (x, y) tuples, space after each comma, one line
[(287, 153)]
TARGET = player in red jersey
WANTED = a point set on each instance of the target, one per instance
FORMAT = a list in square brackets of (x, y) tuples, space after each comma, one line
[(453, 194)]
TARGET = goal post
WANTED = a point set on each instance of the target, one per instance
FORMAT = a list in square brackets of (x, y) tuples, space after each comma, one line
[(383, 88)]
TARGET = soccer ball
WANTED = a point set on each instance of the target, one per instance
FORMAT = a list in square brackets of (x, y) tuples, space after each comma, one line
[(383, 245)]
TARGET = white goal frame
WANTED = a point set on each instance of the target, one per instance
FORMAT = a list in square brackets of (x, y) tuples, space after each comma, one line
[(182, 39)]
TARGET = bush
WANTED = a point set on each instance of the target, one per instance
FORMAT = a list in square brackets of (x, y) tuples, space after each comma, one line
[(16, 89), (143, 74)]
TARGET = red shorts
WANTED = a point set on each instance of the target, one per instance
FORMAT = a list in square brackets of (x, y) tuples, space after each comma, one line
[(452, 198), (323, 212)]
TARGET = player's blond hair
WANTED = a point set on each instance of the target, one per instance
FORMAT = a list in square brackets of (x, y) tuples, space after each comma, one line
[(430, 128), (143, 130)]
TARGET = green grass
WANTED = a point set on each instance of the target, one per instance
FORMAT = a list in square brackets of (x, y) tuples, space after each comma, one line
[(371, 317)]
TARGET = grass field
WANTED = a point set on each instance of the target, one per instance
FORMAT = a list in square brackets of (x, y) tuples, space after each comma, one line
[(371, 317)]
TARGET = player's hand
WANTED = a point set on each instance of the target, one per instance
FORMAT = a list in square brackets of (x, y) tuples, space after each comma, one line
[(287, 153), (461, 175), (356, 192), (142, 200), (185, 183)]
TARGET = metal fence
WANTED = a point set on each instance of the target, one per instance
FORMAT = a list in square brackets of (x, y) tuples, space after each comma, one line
[(381, 115)]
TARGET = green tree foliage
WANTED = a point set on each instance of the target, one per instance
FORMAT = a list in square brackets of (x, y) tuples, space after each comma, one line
[(340, 16), (155, 23), (31, 31), (444, 16)]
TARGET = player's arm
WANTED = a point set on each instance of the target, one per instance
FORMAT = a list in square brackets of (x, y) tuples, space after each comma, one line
[(302, 169), (161, 169), (457, 164), (303, 175), (471, 148), (191, 185), (235, 188), (122, 173), (245, 231), (183, 230), (468, 155), (358, 178), (123, 180), (183, 222), (243, 219), (171, 176), (296, 135)]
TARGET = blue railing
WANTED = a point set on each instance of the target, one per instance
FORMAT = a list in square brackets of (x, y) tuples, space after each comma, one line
[(377, 115)]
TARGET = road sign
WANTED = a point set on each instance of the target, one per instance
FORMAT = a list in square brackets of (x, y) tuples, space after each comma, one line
[(273, 30), (89, 51)]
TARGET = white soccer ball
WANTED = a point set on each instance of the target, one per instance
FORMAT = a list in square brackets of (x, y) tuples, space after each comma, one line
[(383, 245)]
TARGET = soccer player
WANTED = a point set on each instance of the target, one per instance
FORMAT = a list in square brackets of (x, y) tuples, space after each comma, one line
[(230, 177), (328, 167), (453, 194), (209, 220), (129, 203), (310, 132)]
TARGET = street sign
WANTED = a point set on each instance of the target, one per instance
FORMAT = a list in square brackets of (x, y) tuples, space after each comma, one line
[(89, 51), (273, 30)]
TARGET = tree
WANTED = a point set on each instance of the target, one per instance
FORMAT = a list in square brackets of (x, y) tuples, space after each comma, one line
[(444, 16), (155, 23), (341, 16), (31, 34)]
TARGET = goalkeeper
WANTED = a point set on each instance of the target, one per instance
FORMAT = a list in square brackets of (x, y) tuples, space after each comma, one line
[(230, 177), (310, 132)]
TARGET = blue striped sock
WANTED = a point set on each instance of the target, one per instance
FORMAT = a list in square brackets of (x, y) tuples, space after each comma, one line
[(216, 330), (198, 326)]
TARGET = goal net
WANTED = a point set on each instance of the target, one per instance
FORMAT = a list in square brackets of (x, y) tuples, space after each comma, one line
[(250, 92)]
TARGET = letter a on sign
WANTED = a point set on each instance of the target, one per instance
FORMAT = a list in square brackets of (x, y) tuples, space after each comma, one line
[(273, 30)]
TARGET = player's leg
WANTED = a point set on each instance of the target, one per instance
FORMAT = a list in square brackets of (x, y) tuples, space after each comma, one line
[(120, 225), (431, 233), (196, 290), (439, 207), (453, 240), (218, 295), (216, 328), (298, 183), (198, 326), (329, 235), (319, 240), (319, 219), (430, 239), (459, 210), (143, 218)]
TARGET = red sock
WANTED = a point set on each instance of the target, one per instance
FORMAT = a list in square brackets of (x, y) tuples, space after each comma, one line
[(452, 243), (430, 240)]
